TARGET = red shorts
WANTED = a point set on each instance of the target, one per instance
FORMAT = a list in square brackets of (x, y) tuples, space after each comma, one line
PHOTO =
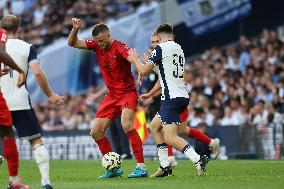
[(183, 115), (112, 106), (5, 115)]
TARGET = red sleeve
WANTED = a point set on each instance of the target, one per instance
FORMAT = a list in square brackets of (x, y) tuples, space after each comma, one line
[(3, 37), (123, 49), (91, 44)]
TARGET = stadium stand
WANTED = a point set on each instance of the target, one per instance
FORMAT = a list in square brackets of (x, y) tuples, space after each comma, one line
[(41, 21)]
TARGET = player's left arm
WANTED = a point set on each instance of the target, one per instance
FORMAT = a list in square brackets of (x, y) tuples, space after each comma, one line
[(42, 79)]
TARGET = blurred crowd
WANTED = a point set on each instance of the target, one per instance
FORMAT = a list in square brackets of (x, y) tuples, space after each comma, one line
[(43, 21), (240, 84), (236, 85)]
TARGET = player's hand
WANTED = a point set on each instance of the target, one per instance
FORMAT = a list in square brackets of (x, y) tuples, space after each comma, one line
[(21, 79), (76, 23), (4, 71), (56, 99), (133, 56), (91, 98), (143, 97)]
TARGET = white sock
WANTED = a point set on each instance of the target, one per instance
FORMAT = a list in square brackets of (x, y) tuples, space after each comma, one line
[(142, 166), (191, 154), (42, 160), (14, 180), (163, 155)]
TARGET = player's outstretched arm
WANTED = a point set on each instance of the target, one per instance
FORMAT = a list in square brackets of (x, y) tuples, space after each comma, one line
[(73, 40), (143, 69), (154, 92), (8, 61), (43, 83)]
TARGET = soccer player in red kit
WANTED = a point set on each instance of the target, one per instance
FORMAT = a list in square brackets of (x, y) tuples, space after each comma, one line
[(122, 96), (6, 132)]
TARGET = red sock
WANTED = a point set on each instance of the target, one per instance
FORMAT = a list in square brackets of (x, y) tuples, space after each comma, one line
[(170, 151), (12, 155), (104, 145), (198, 135), (136, 145)]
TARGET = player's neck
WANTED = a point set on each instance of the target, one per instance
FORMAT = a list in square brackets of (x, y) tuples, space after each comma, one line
[(12, 36), (165, 39)]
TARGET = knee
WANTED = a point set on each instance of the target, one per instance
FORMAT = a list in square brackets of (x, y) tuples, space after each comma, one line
[(168, 139), (183, 129), (96, 134), (154, 128), (127, 126), (35, 142), (127, 123)]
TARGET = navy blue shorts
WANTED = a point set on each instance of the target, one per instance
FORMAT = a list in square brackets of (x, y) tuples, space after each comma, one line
[(26, 124), (170, 110)]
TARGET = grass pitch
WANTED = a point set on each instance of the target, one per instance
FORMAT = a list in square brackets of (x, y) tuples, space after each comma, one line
[(230, 174)]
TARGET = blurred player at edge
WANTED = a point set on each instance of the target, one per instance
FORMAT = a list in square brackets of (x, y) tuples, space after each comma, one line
[(169, 58), (214, 144), (18, 101), (122, 96), (10, 150)]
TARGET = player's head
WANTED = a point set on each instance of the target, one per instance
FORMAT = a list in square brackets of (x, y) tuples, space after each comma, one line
[(10, 23), (102, 36), (154, 40), (165, 32)]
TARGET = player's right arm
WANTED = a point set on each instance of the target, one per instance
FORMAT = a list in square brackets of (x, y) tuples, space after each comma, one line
[(42, 79), (73, 40)]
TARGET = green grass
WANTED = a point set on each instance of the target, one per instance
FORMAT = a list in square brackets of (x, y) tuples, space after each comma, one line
[(229, 174)]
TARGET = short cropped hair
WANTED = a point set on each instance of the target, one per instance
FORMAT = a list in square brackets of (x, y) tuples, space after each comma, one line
[(99, 28), (154, 33), (165, 28), (10, 23)]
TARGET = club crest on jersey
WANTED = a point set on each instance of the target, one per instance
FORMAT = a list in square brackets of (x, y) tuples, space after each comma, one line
[(153, 53)]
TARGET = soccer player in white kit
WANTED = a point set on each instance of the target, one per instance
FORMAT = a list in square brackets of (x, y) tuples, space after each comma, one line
[(169, 58), (18, 101)]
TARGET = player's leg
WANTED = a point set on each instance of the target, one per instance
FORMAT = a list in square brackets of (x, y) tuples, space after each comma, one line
[(198, 135), (105, 115), (171, 137), (170, 117), (127, 123), (156, 130), (42, 159), (10, 150), (107, 112), (98, 134), (128, 105), (27, 126)]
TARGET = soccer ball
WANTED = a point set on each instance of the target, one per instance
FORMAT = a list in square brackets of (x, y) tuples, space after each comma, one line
[(111, 161), (1, 159)]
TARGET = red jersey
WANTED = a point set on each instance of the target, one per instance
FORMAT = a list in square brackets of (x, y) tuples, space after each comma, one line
[(115, 68), (3, 36)]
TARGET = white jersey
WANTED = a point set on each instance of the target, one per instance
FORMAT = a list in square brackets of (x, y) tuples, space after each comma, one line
[(169, 58), (23, 54)]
